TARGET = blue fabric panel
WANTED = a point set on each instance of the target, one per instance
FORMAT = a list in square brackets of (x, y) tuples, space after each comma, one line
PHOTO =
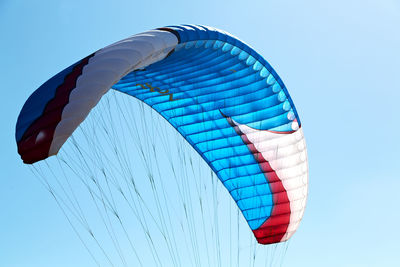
[(208, 73)]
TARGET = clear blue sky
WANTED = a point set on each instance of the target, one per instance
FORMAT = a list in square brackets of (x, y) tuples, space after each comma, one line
[(339, 59)]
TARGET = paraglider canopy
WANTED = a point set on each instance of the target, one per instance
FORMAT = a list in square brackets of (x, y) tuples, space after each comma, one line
[(216, 91)]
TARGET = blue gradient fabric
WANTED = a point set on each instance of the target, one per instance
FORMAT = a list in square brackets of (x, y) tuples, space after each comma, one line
[(211, 73)]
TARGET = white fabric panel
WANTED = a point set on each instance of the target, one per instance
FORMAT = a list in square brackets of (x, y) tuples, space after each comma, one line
[(287, 155), (104, 69)]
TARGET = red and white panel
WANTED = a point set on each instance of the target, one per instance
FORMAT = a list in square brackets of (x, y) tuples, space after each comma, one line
[(287, 155)]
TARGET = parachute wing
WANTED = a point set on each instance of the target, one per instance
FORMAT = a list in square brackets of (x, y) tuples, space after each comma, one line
[(221, 95)]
